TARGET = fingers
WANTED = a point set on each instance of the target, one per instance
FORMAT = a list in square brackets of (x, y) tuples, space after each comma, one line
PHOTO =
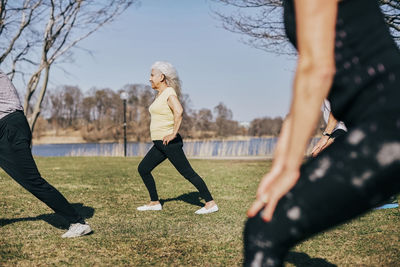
[(166, 140), (269, 209), (258, 204), (316, 152), (314, 149)]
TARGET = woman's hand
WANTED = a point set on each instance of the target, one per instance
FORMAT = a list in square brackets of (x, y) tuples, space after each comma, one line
[(271, 189), (324, 142), (168, 138)]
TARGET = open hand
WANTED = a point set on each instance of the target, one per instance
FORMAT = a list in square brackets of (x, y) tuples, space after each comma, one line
[(273, 186)]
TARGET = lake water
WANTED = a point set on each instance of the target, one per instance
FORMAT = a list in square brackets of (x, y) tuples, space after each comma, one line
[(263, 147)]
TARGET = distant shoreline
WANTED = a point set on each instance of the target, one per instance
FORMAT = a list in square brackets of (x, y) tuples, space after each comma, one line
[(77, 139)]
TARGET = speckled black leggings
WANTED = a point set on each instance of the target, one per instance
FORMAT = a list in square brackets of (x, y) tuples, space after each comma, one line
[(353, 175)]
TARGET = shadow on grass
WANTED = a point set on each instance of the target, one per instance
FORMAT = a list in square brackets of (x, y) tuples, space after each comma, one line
[(52, 218), (302, 260), (192, 198)]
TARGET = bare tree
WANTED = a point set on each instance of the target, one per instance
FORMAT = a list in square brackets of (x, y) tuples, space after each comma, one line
[(187, 124), (262, 22), (35, 34), (204, 120), (265, 126), (223, 121)]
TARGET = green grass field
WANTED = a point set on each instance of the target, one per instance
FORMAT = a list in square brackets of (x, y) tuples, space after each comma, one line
[(108, 190)]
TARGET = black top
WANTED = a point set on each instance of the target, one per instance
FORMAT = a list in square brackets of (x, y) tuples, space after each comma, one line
[(367, 60)]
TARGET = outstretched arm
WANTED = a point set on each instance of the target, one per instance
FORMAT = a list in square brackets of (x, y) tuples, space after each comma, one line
[(315, 21)]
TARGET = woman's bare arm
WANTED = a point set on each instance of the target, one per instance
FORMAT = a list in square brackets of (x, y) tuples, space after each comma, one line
[(315, 20), (177, 110)]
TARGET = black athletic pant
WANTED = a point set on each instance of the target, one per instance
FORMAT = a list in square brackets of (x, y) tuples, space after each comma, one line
[(16, 159), (338, 132), (357, 172), (174, 152)]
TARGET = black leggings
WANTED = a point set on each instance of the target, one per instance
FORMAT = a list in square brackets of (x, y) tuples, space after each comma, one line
[(16, 159), (174, 152), (353, 175)]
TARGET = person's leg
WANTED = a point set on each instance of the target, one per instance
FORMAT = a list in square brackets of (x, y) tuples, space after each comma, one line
[(16, 159), (177, 157), (347, 179), (152, 159)]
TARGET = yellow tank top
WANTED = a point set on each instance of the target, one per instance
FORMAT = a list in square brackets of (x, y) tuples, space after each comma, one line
[(162, 117)]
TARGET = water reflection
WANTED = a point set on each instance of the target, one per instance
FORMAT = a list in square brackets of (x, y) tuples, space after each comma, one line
[(211, 148)]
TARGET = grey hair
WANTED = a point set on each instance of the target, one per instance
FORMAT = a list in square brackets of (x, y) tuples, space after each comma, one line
[(170, 73)]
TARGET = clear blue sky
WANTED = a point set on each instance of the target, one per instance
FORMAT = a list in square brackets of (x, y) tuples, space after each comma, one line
[(213, 64)]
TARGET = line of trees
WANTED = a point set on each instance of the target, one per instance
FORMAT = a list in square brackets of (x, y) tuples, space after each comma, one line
[(98, 115)]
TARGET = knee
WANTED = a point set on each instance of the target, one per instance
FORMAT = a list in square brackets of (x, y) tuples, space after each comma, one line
[(143, 170)]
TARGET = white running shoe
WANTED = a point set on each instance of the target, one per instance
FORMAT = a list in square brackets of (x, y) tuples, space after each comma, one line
[(150, 207), (77, 229), (203, 210)]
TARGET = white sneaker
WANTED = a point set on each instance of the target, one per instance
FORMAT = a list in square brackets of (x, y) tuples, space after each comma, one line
[(203, 210), (150, 207), (77, 229)]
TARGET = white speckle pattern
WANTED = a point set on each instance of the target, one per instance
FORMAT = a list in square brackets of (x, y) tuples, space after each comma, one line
[(257, 262), (355, 60), (324, 164), (371, 71), (270, 262), (359, 181), (381, 67), (353, 155), (342, 34), (392, 77), (357, 79), (262, 244), (294, 213), (294, 231), (389, 153), (340, 164), (366, 150), (355, 137), (346, 65)]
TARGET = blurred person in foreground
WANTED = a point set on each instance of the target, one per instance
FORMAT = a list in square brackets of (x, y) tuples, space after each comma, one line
[(347, 55)]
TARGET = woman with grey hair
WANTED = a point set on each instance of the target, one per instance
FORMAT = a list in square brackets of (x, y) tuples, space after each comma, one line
[(166, 117)]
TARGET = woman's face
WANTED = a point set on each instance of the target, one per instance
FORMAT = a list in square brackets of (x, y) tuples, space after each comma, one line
[(156, 78)]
